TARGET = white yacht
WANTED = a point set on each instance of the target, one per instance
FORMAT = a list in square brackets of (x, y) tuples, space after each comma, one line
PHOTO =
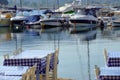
[(81, 22), (53, 23), (116, 19)]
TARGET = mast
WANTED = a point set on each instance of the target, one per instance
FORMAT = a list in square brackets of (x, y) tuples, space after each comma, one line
[(20, 3), (58, 3)]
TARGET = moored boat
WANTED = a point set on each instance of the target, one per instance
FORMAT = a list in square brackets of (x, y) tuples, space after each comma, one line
[(33, 22), (52, 23), (81, 22)]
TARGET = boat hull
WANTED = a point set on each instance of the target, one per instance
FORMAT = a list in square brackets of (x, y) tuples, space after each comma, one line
[(82, 25), (52, 25), (116, 24)]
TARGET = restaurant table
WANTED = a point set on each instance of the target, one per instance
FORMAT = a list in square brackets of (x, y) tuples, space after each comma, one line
[(113, 59), (109, 73), (10, 77), (30, 58), (13, 70)]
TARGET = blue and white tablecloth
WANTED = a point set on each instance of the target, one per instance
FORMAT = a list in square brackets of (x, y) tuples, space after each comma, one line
[(10, 77), (30, 58), (109, 73), (13, 70), (113, 59)]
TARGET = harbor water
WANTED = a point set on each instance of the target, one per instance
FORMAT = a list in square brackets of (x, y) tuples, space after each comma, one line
[(73, 52)]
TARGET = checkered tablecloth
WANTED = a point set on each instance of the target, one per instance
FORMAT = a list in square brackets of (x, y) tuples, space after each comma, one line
[(113, 59), (10, 77), (13, 70), (30, 58), (109, 73)]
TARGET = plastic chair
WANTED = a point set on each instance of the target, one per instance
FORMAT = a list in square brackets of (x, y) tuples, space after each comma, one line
[(52, 75), (97, 72), (55, 64), (105, 55), (24, 76), (47, 67), (30, 74)]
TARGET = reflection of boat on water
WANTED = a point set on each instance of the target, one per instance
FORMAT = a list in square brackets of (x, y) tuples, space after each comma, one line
[(6, 36), (82, 22), (86, 36)]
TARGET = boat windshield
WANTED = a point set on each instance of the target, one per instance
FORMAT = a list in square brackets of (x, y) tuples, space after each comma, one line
[(82, 12), (23, 13)]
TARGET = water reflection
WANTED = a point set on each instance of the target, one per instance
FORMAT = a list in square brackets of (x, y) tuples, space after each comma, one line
[(73, 54)]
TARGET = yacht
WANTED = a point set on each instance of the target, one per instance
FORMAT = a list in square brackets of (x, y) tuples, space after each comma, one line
[(80, 21), (33, 22), (52, 23)]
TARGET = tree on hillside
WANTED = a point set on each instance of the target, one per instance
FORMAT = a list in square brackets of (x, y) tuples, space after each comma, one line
[(3, 2)]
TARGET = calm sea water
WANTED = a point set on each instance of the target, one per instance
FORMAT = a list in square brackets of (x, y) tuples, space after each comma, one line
[(73, 59)]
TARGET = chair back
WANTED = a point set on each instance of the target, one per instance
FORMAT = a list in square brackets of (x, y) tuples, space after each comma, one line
[(30, 74), (52, 60), (105, 55), (55, 64), (97, 72), (47, 67)]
